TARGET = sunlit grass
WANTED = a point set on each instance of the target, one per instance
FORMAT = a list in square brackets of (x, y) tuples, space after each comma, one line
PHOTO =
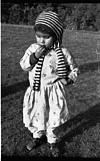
[(80, 136)]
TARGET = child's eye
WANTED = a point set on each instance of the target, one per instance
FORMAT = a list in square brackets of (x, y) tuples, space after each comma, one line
[(47, 36), (44, 36), (38, 36)]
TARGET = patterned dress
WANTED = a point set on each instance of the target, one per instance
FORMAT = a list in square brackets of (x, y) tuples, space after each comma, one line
[(46, 109)]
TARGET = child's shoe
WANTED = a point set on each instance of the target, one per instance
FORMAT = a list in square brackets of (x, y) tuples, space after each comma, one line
[(36, 142), (54, 150)]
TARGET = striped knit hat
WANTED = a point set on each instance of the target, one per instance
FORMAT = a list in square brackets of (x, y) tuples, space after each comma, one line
[(51, 20)]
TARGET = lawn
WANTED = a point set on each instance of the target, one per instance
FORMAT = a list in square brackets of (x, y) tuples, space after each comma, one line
[(80, 136)]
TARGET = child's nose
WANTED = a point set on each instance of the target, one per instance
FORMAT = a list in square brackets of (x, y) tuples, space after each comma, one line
[(42, 40)]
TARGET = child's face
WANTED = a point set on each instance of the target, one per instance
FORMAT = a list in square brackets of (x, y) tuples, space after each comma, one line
[(44, 39)]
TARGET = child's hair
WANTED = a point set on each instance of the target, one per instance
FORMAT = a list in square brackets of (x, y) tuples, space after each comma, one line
[(46, 30)]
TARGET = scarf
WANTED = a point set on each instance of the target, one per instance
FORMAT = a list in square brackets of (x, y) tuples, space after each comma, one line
[(62, 69)]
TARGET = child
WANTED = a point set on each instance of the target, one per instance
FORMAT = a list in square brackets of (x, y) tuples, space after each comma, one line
[(51, 68)]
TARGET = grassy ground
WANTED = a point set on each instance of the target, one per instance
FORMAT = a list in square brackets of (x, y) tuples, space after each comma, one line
[(80, 136)]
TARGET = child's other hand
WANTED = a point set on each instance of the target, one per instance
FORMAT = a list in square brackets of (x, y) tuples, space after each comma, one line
[(67, 82), (64, 81), (40, 50)]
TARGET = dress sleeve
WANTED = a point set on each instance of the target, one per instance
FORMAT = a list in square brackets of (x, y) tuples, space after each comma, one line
[(72, 65), (28, 61)]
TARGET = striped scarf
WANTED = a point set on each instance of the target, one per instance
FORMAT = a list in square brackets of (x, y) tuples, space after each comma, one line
[(62, 69), (37, 78)]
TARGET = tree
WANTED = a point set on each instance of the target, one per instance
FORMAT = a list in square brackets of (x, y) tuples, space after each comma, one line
[(49, 7), (36, 10), (26, 13), (32, 15), (65, 12), (84, 16), (62, 12), (97, 17), (5, 12), (16, 14)]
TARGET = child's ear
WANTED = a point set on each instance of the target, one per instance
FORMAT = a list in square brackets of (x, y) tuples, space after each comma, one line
[(57, 44)]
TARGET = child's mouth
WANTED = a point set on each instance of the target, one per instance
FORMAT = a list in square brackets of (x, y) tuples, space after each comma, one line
[(41, 44)]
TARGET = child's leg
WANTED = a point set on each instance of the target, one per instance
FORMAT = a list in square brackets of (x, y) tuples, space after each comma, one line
[(34, 117), (58, 113), (34, 113)]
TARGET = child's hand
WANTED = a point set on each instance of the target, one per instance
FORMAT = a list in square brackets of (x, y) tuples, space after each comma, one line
[(64, 81), (67, 82), (40, 50)]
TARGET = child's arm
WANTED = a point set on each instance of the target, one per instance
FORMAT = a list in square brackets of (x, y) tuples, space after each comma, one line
[(72, 76), (31, 56)]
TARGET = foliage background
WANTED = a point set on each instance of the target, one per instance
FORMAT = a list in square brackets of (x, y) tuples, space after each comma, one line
[(79, 16)]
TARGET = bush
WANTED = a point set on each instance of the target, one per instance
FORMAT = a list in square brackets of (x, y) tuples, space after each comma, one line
[(81, 16), (16, 14)]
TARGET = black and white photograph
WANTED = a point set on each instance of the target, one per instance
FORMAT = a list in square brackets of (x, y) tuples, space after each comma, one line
[(50, 80)]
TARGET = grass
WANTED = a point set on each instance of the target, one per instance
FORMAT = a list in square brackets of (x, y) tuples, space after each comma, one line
[(80, 136)]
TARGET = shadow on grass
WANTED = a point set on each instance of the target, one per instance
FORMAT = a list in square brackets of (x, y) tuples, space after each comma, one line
[(79, 123), (20, 158), (89, 67), (5, 91), (23, 85), (73, 127)]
